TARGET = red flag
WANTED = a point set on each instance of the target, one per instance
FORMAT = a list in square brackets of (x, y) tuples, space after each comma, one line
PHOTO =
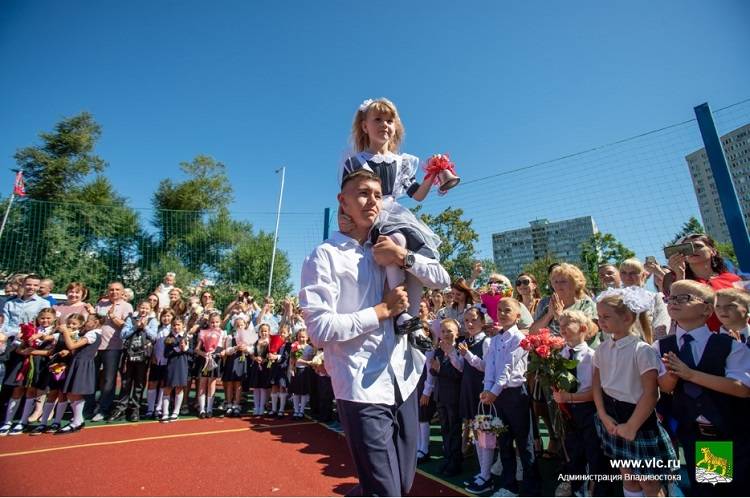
[(18, 186)]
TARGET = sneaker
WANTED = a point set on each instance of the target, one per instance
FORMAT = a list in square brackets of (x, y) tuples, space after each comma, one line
[(17, 430), (564, 489), (479, 486), (97, 418), (134, 417), (39, 429)]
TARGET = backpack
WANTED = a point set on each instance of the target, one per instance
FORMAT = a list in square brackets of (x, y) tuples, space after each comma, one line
[(138, 347)]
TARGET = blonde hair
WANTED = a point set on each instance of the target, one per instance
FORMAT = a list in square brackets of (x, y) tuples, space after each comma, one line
[(736, 296), (573, 274), (451, 321), (618, 305), (694, 288), (632, 264), (581, 318), (361, 141)]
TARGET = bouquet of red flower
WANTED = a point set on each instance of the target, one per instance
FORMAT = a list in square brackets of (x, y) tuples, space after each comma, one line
[(551, 368), (443, 171), (28, 330), (297, 350)]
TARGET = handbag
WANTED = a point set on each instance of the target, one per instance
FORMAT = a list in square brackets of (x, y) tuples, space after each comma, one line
[(486, 439)]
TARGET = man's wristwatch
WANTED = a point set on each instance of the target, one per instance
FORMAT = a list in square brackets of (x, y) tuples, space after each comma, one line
[(409, 260)]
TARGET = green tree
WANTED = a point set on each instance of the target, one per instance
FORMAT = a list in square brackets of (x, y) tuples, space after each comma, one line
[(71, 224), (690, 226), (457, 240), (198, 237), (538, 268), (601, 248)]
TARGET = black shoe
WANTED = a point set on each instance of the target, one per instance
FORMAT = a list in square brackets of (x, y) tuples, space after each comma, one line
[(423, 459), (480, 486), (134, 417), (202, 415), (451, 471), (69, 429)]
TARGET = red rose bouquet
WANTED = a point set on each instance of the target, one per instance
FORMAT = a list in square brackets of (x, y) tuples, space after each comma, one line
[(28, 331), (546, 361)]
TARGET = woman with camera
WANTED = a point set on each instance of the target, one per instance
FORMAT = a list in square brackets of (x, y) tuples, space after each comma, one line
[(702, 263)]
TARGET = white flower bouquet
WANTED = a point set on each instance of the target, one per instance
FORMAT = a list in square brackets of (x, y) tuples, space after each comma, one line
[(486, 427)]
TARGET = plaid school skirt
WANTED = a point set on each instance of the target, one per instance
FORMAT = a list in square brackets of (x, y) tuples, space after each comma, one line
[(649, 443)]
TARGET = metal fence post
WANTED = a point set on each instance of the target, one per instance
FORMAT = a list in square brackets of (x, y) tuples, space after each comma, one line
[(730, 203)]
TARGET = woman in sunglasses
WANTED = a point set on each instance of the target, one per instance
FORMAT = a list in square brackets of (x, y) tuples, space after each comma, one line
[(527, 291)]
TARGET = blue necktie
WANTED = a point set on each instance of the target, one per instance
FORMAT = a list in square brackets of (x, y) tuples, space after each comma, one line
[(686, 355)]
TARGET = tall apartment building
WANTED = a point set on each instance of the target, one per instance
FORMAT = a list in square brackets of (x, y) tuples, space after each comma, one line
[(737, 151), (514, 249)]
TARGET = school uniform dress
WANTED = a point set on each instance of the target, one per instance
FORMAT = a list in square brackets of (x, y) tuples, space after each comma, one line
[(81, 377), (505, 365), (260, 372), (472, 381), (280, 367), (706, 415), (235, 365), (374, 373), (212, 342), (581, 440), (621, 364), (40, 373), (177, 361), (304, 375), (158, 369), (55, 382), (447, 396)]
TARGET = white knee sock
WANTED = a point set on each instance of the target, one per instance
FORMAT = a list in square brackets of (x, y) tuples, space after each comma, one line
[(160, 397), (28, 407), (424, 437), (274, 401), (625, 492), (151, 400), (282, 401), (295, 403), (178, 402), (77, 407), (46, 412), (485, 457), (10, 412), (201, 403), (303, 403), (256, 400), (265, 393), (60, 412), (210, 404), (165, 406)]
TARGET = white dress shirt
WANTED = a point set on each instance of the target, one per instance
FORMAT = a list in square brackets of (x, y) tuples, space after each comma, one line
[(585, 368), (621, 364), (474, 360), (744, 333), (341, 285), (505, 362), (737, 364)]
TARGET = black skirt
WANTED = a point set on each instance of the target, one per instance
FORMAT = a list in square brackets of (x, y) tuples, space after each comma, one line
[(157, 373), (260, 376), (278, 375), (236, 368), (81, 377), (302, 381), (200, 364), (177, 371)]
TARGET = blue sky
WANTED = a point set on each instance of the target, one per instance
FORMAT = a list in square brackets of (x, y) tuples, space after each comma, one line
[(258, 85)]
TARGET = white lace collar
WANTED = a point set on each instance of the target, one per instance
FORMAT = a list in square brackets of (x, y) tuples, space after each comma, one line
[(388, 157)]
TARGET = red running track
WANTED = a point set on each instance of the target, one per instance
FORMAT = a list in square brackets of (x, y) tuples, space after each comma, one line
[(215, 457)]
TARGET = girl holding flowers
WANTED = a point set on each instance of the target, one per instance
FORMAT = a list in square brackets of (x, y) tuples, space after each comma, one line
[(209, 350), (377, 132), (303, 375), (260, 372), (237, 362)]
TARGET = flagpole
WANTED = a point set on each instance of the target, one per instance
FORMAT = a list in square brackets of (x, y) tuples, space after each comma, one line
[(276, 233)]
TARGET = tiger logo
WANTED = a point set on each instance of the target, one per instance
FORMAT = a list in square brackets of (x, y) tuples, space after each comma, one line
[(711, 462)]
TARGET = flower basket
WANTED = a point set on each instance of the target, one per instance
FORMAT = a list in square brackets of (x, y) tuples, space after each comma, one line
[(486, 427)]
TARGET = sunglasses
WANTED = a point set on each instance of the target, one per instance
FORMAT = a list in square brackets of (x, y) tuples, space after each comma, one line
[(523, 282), (682, 299)]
